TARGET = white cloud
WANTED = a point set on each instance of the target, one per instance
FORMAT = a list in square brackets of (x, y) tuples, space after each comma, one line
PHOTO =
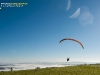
[(76, 14), (86, 18), (69, 5)]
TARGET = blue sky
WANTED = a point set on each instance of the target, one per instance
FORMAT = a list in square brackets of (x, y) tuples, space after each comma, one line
[(32, 33)]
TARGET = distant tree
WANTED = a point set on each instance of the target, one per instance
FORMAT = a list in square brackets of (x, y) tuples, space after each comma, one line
[(37, 68)]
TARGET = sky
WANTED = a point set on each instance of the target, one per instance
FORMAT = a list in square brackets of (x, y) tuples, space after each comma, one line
[(32, 33)]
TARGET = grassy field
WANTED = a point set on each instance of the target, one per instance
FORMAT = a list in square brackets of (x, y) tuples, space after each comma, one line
[(70, 70)]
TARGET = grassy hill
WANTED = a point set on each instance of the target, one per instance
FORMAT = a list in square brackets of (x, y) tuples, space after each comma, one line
[(93, 69)]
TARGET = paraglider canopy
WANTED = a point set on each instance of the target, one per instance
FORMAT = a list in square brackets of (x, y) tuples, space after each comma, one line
[(72, 40)]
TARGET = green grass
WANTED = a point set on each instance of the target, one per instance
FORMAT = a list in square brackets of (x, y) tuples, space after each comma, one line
[(69, 70)]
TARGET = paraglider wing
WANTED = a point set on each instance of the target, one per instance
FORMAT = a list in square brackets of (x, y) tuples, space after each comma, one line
[(72, 40)]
